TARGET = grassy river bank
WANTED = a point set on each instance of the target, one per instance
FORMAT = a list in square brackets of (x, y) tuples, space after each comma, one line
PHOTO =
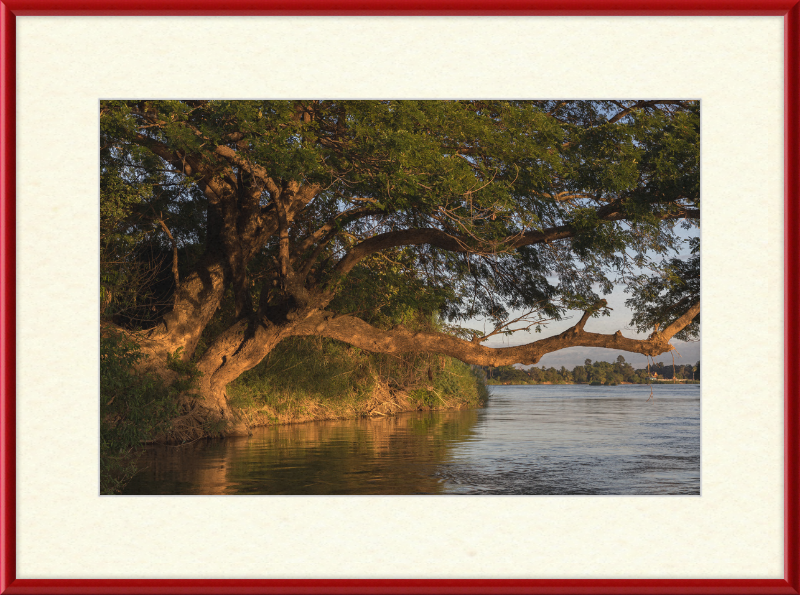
[(303, 380), (318, 379)]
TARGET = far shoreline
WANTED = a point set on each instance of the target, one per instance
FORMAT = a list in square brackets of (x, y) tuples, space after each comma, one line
[(511, 383)]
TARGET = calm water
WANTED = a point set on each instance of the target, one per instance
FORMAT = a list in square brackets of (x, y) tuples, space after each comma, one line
[(572, 439)]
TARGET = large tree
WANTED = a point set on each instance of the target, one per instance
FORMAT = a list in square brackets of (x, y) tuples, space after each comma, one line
[(323, 217)]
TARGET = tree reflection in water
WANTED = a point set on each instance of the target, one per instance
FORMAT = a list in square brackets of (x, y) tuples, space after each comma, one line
[(549, 440), (391, 455)]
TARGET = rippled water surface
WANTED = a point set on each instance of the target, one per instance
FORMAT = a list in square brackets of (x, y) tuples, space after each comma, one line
[(556, 440)]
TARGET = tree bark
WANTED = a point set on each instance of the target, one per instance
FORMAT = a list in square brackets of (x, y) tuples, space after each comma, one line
[(359, 333), (197, 299), (237, 350), (246, 343)]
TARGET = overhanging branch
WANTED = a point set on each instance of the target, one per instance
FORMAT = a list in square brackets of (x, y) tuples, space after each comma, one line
[(399, 340), (452, 243)]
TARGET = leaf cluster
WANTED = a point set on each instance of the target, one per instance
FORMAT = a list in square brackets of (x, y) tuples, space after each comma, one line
[(658, 300), (608, 174)]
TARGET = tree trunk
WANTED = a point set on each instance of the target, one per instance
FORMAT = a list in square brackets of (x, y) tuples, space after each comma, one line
[(237, 350), (245, 343), (195, 303)]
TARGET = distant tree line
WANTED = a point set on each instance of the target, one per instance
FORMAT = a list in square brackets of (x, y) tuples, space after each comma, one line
[(594, 373)]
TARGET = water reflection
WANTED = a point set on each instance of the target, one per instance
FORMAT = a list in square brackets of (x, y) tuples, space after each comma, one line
[(392, 455), (555, 440)]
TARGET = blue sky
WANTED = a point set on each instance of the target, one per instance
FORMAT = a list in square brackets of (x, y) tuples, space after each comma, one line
[(688, 353), (619, 320)]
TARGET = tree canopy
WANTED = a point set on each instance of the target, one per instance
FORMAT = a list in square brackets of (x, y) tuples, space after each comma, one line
[(236, 224)]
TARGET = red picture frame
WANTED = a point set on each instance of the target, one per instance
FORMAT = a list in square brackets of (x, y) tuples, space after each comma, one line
[(788, 9)]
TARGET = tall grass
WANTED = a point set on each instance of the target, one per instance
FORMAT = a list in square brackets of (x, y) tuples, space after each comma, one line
[(315, 378)]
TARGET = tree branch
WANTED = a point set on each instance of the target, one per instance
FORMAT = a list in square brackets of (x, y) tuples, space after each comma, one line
[(640, 105), (340, 220), (174, 256), (255, 170), (681, 322), (440, 239), (182, 164), (399, 340), (505, 327)]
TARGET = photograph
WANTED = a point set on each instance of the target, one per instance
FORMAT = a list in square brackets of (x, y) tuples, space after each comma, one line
[(400, 297), (381, 298)]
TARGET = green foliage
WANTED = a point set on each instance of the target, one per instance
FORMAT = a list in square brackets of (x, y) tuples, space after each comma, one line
[(507, 374), (662, 298), (605, 372), (426, 398), (457, 379), (670, 371), (188, 373), (390, 286), (483, 171), (134, 408), (301, 369), (460, 379), (303, 375)]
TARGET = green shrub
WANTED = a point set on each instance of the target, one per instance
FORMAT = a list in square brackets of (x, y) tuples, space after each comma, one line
[(301, 371), (134, 408), (460, 379), (188, 373), (425, 397)]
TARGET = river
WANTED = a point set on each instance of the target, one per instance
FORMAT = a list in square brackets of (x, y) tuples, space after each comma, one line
[(546, 439)]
